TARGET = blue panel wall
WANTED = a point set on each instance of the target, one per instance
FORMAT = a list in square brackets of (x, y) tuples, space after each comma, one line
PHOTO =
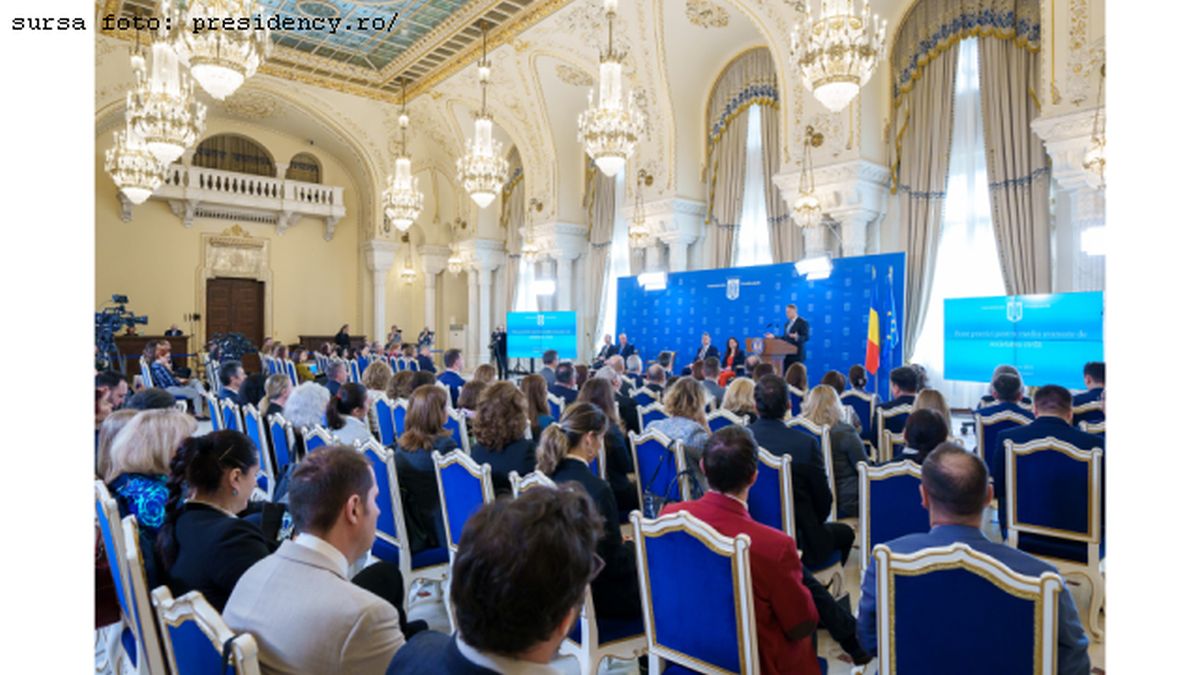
[(741, 302)]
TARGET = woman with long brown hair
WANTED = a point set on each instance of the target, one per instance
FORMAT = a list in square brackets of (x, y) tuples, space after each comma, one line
[(424, 433), (618, 463), (537, 405), (500, 438)]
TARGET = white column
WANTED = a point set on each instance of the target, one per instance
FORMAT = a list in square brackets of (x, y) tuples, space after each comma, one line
[(677, 252), (814, 241), (484, 329), (653, 258), (472, 303), (854, 232), (431, 300), (562, 289), (433, 262), (380, 255)]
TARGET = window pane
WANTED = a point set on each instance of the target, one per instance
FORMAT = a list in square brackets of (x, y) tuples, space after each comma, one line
[(752, 241)]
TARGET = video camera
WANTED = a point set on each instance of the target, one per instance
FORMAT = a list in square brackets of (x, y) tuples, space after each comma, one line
[(109, 321)]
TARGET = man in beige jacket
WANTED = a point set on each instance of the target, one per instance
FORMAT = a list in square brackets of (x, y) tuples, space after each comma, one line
[(298, 602)]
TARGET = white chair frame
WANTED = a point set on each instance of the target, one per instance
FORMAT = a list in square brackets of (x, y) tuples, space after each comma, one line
[(482, 472), (793, 391), (673, 447), (230, 404), (982, 422), (1092, 427), (460, 417), (866, 475), (262, 445), (192, 606), (319, 432), (822, 433), (552, 401), (871, 399), (721, 413), (642, 411), (882, 415), (139, 593), (521, 483)]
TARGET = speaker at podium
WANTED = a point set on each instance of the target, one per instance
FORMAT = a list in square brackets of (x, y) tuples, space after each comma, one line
[(771, 350)]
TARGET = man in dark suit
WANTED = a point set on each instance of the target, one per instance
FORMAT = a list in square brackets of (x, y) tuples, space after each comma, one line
[(564, 383), (1006, 396), (1052, 407), (626, 406), (795, 333), (712, 368), (499, 345), (607, 351), (989, 398), (452, 375), (955, 490), (173, 331), (625, 348), (544, 574), (231, 375), (904, 391), (425, 359), (656, 379), (784, 610), (706, 348), (335, 376), (1093, 379)]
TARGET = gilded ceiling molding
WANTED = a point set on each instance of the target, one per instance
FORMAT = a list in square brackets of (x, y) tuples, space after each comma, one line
[(572, 76), (707, 14)]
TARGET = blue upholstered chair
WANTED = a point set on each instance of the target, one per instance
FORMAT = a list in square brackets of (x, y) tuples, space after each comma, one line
[(889, 505), (821, 434), (396, 364), (290, 366), (139, 592), (770, 499), (1092, 411), (1055, 510), (281, 442), (253, 424), (521, 483), (795, 400), (456, 423), (721, 418), (399, 416), (355, 368), (463, 487), (315, 437), (863, 405), (147, 378), (557, 406), (214, 412), (593, 639), (891, 419), (650, 413), (711, 631), (660, 466), (968, 604), (197, 640), (1096, 428), (139, 638), (987, 429), (385, 420), (391, 535), (231, 416), (891, 444), (644, 397)]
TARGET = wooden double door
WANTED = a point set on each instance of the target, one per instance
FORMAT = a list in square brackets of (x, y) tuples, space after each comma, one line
[(237, 306)]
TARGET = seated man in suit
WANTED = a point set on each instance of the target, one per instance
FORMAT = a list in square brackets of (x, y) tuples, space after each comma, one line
[(231, 375), (903, 382), (1093, 379), (1052, 408), (564, 383), (625, 348), (515, 597), (425, 359), (336, 375), (173, 331), (633, 369), (549, 364), (298, 603), (626, 406), (622, 386), (1006, 396), (990, 399), (706, 348), (712, 368), (954, 488), (452, 375), (656, 379), (783, 606), (607, 351)]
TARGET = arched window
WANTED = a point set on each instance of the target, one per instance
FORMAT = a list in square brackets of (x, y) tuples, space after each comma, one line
[(233, 152), (304, 167)]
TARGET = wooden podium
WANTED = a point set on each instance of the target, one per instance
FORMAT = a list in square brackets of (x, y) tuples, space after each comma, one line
[(771, 350)]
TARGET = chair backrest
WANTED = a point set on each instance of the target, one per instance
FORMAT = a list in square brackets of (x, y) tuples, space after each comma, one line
[(253, 424), (821, 434), (891, 442), (644, 396), (231, 415), (889, 504), (281, 441), (1096, 428), (214, 412), (660, 465), (967, 603), (108, 519), (385, 420), (139, 596), (315, 437), (463, 486), (456, 423), (987, 429), (892, 419), (721, 418), (399, 409), (1092, 411), (195, 635), (147, 378), (795, 400), (391, 534), (863, 405), (355, 371), (1053, 489), (770, 498), (650, 413), (712, 631), (291, 372), (557, 406), (521, 483)]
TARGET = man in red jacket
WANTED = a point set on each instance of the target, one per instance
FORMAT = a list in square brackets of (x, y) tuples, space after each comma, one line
[(783, 607)]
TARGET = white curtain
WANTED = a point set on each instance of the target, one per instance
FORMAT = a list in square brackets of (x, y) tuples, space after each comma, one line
[(968, 263), (524, 299), (752, 239), (618, 266)]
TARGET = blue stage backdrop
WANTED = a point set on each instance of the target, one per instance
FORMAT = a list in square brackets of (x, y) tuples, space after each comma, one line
[(741, 302)]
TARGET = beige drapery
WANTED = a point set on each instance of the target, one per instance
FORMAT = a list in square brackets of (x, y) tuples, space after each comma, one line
[(599, 202), (785, 236), (512, 219), (1018, 175), (231, 152)]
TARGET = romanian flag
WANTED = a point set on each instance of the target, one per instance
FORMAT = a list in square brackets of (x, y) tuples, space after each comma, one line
[(871, 362)]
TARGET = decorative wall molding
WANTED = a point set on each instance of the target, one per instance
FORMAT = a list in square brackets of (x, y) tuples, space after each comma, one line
[(853, 194), (234, 253), (1067, 138), (707, 14)]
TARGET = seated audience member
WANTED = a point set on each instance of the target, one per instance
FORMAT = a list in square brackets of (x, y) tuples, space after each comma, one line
[(617, 363), (711, 369), (733, 364), (284, 597), (797, 377), (626, 406), (812, 501), (634, 366), (857, 378), (425, 358), (336, 375), (537, 407), (253, 389), (1052, 410), (564, 383), (1006, 394), (565, 451), (783, 607), (346, 414), (203, 545), (115, 388), (278, 389), (954, 489), (761, 370), (582, 374), (375, 378), (823, 407), (617, 459), (990, 397), (519, 576), (452, 375), (485, 373), (665, 360), (932, 399), (103, 410), (109, 428), (306, 405), (656, 379), (922, 376), (904, 387), (153, 399), (280, 351), (424, 433), (137, 475), (695, 371), (1093, 379), (549, 364), (835, 380), (706, 348), (739, 399), (924, 430), (468, 398), (686, 423), (500, 434), (159, 360), (231, 375), (302, 358), (400, 385)]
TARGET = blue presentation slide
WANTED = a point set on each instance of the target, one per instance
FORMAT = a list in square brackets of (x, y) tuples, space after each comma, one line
[(1047, 337), (531, 333)]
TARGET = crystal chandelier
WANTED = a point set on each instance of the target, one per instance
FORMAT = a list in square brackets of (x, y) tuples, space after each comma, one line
[(221, 59), (402, 201), (1093, 159), (162, 108), (483, 169), (135, 170), (609, 130), (836, 54), (639, 231), (807, 212), (454, 264)]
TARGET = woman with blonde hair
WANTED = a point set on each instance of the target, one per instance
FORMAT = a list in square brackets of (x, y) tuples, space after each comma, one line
[(739, 399), (932, 399), (424, 434), (500, 423), (375, 378), (277, 389), (823, 407), (565, 454), (400, 385), (686, 423), (109, 428)]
